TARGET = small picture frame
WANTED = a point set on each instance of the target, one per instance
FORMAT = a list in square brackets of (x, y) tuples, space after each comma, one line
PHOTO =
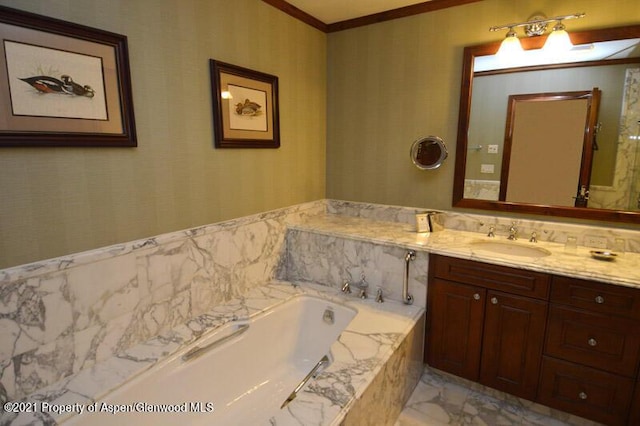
[(245, 107), (63, 84)]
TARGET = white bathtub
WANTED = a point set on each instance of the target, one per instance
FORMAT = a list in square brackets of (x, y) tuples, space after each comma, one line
[(243, 381)]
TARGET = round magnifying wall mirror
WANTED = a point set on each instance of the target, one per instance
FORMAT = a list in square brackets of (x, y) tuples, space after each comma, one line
[(428, 153)]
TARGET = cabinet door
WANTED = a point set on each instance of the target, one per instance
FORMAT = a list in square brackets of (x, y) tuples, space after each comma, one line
[(454, 331), (512, 343)]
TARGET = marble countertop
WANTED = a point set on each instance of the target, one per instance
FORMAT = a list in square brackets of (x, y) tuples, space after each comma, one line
[(624, 270)]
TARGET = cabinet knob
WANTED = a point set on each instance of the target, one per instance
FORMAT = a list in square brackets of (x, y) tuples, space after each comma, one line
[(592, 342), (476, 296), (494, 300), (599, 300), (582, 395)]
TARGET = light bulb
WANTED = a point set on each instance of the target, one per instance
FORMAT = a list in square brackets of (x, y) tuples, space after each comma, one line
[(558, 41), (510, 46)]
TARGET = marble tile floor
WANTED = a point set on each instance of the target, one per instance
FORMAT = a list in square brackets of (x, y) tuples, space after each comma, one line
[(442, 399)]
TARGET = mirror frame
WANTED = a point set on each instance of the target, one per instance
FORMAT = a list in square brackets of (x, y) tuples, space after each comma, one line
[(470, 52)]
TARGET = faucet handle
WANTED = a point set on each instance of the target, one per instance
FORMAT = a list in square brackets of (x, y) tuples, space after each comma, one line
[(492, 232), (534, 237), (346, 287), (363, 293)]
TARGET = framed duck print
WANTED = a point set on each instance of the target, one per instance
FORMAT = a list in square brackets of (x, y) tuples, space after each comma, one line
[(63, 84), (245, 107)]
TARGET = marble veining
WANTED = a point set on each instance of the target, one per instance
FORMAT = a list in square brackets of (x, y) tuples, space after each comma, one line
[(624, 271), (60, 316), (333, 259), (379, 333), (624, 193), (63, 317), (443, 399)]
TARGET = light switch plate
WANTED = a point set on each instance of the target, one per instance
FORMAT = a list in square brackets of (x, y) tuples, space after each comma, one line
[(492, 149), (486, 168)]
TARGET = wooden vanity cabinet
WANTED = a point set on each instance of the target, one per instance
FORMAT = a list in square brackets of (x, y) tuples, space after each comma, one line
[(567, 343), (486, 323), (592, 349)]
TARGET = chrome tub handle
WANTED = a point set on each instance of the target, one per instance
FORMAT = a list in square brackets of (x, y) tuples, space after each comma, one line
[(406, 297), (292, 395), (197, 351)]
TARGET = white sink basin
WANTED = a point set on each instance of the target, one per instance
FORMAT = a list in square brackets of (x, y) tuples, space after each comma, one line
[(510, 248)]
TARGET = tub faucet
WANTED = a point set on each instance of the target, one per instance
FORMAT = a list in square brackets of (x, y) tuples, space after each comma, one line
[(363, 285), (513, 232), (363, 293), (346, 287), (379, 297)]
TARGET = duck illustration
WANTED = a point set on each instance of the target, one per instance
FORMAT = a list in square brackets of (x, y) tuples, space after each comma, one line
[(44, 84), (247, 108), (65, 86), (72, 87)]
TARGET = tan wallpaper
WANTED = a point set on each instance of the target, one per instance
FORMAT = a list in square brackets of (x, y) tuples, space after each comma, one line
[(55, 201), (394, 82), (351, 103)]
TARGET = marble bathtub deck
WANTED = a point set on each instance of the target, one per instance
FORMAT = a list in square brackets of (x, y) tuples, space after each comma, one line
[(362, 352), (441, 399)]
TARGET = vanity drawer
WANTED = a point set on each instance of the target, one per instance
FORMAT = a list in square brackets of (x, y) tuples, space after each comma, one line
[(596, 297), (496, 277), (584, 391), (600, 341)]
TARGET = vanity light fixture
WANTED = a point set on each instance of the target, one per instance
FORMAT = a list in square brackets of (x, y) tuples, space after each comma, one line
[(510, 45), (557, 41)]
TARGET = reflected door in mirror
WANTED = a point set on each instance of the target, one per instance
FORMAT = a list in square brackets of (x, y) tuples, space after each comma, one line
[(548, 148)]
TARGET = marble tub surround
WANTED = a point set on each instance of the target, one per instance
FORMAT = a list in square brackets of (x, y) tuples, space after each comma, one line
[(625, 270), (331, 259), (385, 397), (384, 340), (62, 315)]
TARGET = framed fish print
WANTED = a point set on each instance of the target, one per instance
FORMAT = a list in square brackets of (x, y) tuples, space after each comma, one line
[(63, 84), (245, 107)]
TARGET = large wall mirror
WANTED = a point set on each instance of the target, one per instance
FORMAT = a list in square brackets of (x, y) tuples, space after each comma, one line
[(579, 115)]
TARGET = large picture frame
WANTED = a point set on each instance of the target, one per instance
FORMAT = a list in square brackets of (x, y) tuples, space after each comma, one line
[(245, 107), (63, 84)]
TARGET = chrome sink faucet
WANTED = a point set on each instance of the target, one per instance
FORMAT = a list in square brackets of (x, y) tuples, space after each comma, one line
[(513, 232)]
